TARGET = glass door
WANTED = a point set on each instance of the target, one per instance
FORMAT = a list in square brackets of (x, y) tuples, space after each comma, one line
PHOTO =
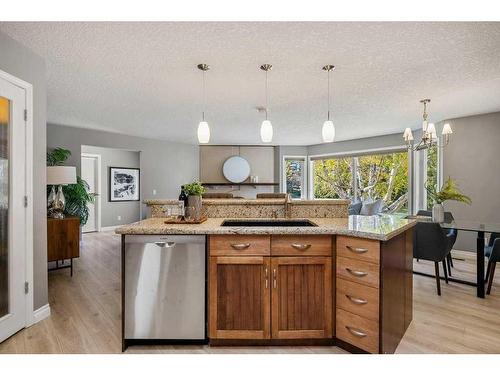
[(12, 210)]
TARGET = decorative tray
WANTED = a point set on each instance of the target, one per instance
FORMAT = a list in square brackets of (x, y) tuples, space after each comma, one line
[(184, 221)]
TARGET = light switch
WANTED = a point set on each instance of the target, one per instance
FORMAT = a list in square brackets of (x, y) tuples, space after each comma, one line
[(119, 218), (154, 191)]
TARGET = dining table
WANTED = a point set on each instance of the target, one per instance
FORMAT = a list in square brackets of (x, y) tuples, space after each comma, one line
[(469, 226)]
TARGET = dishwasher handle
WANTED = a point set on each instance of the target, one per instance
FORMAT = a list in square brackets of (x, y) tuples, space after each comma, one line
[(165, 244)]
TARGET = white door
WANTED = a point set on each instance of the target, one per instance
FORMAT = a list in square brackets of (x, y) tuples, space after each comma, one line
[(90, 166), (12, 210)]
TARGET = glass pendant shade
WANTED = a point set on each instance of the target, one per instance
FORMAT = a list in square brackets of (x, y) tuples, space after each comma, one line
[(328, 131), (266, 131), (447, 129), (203, 132), (408, 135)]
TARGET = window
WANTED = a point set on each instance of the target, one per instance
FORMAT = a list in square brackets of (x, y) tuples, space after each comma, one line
[(333, 178), (366, 177), (431, 179), (294, 177)]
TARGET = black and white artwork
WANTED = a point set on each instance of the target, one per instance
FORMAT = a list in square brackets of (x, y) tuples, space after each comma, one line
[(123, 184)]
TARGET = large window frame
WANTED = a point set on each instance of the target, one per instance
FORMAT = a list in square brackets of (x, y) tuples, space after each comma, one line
[(305, 175), (363, 152)]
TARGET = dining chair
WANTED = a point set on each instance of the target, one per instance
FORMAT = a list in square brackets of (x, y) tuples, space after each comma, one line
[(431, 243), (451, 233), (492, 252)]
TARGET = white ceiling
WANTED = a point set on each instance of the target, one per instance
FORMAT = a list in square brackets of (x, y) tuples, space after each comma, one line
[(141, 78)]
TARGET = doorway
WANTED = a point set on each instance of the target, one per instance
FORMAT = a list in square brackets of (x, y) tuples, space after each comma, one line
[(91, 173), (16, 262)]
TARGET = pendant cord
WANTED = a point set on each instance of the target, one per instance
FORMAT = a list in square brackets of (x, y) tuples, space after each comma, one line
[(267, 99), (204, 98)]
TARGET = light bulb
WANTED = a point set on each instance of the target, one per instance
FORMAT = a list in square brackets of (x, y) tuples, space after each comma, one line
[(203, 132), (266, 131), (431, 130), (328, 131), (447, 129), (408, 135)]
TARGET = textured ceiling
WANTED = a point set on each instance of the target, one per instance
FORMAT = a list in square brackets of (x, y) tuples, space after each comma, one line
[(141, 78)]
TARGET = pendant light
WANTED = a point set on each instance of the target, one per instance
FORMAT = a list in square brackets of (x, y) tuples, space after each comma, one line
[(328, 131), (203, 128), (266, 129)]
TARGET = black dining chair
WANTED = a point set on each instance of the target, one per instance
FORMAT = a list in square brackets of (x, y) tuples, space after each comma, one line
[(431, 243), (451, 233), (492, 252)]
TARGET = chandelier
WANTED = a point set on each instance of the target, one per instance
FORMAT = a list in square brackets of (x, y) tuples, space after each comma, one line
[(429, 135)]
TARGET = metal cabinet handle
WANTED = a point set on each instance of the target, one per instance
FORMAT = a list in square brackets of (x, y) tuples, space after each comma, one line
[(275, 283), (267, 280), (356, 273), (240, 246), (357, 301), (165, 244), (357, 250), (356, 332), (300, 246)]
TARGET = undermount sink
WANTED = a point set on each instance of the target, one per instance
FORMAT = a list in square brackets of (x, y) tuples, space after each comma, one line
[(267, 223)]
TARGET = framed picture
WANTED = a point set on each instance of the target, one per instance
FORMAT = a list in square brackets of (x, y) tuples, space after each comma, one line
[(124, 184)]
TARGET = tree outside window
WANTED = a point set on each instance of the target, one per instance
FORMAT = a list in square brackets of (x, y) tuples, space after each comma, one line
[(295, 178)]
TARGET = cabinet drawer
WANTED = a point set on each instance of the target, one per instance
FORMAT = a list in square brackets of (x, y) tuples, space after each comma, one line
[(358, 299), (302, 245), (358, 331), (236, 244), (359, 248), (358, 271)]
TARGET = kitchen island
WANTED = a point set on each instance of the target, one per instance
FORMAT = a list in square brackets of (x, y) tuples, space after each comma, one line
[(340, 281)]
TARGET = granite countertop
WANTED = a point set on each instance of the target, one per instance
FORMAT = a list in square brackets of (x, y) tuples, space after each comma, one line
[(382, 227), (240, 201)]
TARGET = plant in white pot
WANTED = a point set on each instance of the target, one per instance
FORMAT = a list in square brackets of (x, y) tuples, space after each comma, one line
[(194, 191), (448, 192)]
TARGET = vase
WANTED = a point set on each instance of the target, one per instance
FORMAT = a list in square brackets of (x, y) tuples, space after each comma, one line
[(194, 202), (438, 213)]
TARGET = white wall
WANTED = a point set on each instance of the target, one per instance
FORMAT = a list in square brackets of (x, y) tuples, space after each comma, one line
[(110, 211), (472, 158), (165, 166)]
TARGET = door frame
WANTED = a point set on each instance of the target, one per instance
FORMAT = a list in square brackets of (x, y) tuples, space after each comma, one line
[(98, 185), (28, 89)]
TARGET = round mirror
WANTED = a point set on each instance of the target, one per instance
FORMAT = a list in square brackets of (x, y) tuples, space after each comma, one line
[(236, 169)]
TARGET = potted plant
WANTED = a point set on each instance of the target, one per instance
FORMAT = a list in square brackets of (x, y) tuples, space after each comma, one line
[(194, 191), (449, 192), (77, 195)]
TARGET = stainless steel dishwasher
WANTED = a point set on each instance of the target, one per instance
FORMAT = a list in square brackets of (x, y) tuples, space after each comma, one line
[(164, 287)]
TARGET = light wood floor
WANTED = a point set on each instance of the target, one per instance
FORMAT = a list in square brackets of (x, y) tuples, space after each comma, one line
[(86, 313)]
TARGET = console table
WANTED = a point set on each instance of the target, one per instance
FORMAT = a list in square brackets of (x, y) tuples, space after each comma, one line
[(63, 241)]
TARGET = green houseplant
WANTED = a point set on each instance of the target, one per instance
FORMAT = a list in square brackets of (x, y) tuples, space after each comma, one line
[(77, 195), (194, 191), (448, 192)]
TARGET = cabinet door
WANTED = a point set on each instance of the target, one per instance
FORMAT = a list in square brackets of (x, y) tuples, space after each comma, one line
[(301, 297), (239, 297)]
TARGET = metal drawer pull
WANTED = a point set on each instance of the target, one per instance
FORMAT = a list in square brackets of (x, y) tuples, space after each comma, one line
[(357, 250), (356, 273), (356, 332), (357, 301), (165, 244), (240, 246), (300, 246)]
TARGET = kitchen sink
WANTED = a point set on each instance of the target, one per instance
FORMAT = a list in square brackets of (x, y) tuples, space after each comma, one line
[(268, 223)]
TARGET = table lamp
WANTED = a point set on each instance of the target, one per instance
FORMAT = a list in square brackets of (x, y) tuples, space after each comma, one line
[(58, 175)]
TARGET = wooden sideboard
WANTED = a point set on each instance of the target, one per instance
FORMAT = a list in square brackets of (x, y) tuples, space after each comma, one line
[(63, 241)]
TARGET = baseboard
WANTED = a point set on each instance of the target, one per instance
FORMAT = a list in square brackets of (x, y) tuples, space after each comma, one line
[(41, 313), (106, 229)]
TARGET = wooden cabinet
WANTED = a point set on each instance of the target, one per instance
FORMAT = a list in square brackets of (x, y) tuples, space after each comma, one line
[(248, 292), (63, 240), (239, 297), (301, 300)]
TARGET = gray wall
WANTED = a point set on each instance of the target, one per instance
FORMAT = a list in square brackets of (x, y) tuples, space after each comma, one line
[(112, 157), (472, 159), (165, 166), (20, 62)]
